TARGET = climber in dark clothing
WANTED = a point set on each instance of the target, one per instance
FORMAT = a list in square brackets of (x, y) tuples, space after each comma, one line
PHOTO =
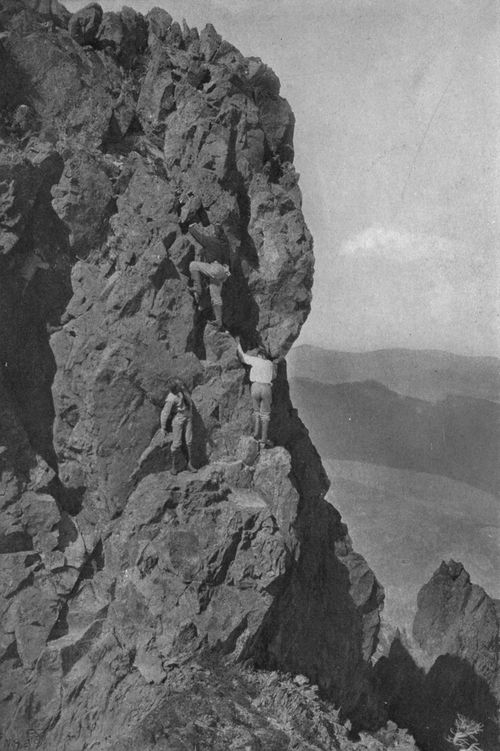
[(179, 407), (212, 252)]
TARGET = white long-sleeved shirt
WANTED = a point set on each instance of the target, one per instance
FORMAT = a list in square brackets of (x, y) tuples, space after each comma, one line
[(261, 369)]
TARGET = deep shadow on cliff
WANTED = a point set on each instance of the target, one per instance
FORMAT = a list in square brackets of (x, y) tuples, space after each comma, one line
[(427, 703), (449, 667), (116, 571)]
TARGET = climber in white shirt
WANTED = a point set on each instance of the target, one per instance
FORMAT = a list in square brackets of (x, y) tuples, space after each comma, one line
[(262, 374)]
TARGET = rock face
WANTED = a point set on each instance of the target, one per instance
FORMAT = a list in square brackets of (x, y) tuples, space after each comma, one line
[(113, 570), (457, 617), (84, 24), (457, 629)]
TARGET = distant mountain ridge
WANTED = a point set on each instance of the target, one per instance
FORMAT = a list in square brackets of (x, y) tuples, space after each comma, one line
[(456, 437), (419, 476), (421, 519), (423, 374), (411, 443)]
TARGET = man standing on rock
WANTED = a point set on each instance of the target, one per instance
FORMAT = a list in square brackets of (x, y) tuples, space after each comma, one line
[(179, 407), (262, 374), (211, 252)]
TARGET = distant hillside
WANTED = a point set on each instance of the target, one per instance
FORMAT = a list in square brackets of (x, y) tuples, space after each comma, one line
[(424, 374), (411, 443), (457, 437), (406, 522)]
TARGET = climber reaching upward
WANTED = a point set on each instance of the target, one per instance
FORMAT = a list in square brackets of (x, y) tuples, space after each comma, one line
[(179, 409), (262, 374), (211, 263)]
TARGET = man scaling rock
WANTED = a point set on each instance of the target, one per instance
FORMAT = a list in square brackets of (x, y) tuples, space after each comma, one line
[(262, 374), (179, 408), (210, 262)]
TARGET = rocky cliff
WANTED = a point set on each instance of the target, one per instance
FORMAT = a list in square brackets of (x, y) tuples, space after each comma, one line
[(457, 617), (114, 571), (452, 668)]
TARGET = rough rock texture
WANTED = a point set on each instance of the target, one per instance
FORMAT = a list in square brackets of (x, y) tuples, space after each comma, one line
[(84, 24), (227, 708), (457, 617), (113, 570), (457, 672)]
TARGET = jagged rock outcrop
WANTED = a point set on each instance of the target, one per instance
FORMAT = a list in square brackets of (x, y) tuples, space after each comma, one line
[(458, 618), (453, 667), (116, 571), (84, 24)]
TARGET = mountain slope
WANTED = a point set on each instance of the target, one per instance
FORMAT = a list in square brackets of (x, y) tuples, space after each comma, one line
[(457, 437), (406, 522), (423, 374), (416, 481)]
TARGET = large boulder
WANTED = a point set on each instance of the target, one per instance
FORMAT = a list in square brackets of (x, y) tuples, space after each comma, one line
[(84, 24), (50, 10), (159, 23), (124, 35), (456, 617)]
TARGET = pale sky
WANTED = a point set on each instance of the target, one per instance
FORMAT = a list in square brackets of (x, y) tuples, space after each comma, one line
[(397, 146)]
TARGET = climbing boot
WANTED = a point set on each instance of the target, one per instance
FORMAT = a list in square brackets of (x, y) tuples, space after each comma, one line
[(265, 444)]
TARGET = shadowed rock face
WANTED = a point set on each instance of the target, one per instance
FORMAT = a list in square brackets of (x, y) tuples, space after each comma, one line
[(457, 617), (457, 629), (113, 573)]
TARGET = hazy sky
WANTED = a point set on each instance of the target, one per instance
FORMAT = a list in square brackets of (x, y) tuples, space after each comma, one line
[(396, 142)]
